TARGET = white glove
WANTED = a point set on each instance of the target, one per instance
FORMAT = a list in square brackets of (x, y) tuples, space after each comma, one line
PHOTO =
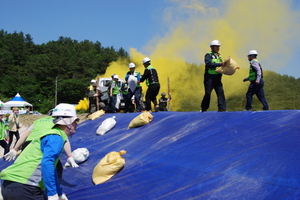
[(11, 155), (71, 162), (63, 197), (54, 197)]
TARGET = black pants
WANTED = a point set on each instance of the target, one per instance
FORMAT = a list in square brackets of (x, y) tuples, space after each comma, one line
[(136, 94), (152, 92), (16, 191), (209, 85), (11, 137), (4, 145)]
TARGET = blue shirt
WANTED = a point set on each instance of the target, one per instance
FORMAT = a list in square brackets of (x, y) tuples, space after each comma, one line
[(51, 146)]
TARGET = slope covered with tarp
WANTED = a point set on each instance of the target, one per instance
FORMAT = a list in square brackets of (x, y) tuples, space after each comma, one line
[(193, 155)]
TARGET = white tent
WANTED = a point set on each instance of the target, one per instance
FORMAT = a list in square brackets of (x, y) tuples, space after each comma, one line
[(17, 101)]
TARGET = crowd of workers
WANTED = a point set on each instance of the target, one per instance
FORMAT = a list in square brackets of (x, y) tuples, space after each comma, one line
[(131, 91), (212, 81)]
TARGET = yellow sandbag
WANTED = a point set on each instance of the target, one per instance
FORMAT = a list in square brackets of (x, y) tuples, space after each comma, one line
[(96, 114), (108, 166), (229, 68), (142, 119)]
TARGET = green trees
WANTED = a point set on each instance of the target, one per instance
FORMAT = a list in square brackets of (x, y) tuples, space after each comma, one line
[(32, 69)]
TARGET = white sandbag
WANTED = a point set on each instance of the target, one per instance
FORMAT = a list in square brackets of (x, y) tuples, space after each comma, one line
[(132, 82), (106, 125), (80, 155), (119, 98)]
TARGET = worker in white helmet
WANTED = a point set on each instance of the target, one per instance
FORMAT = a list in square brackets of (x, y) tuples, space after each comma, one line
[(151, 77), (92, 94), (113, 92), (34, 169), (136, 90), (213, 79), (256, 82)]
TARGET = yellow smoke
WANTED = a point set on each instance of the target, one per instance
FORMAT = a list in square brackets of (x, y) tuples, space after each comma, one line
[(266, 26), (82, 105)]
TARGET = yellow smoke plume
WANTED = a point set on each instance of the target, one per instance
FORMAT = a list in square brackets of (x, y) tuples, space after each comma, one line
[(267, 26)]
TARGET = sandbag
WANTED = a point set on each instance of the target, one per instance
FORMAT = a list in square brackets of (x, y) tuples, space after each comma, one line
[(80, 155), (108, 166), (229, 68), (106, 125), (132, 82), (142, 119), (96, 114)]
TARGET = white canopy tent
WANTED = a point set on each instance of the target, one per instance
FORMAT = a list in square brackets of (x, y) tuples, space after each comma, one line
[(19, 102)]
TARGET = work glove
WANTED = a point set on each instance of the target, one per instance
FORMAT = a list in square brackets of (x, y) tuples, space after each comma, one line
[(63, 197), (11, 155), (54, 197), (71, 162)]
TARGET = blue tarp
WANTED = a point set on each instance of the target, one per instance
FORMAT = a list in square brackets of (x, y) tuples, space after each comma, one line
[(192, 155)]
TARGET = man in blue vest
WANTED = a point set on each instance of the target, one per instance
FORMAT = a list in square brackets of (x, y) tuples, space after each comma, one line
[(34, 170), (151, 77), (213, 79), (256, 82)]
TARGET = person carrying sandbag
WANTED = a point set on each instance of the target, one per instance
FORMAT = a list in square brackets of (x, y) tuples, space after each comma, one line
[(212, 78)]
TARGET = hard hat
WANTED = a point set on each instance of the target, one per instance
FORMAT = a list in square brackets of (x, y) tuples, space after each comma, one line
[(145, 60), (113, 75), (116, 76), (93, 81), (252, 52), (215, 43), (131, 65), (65, 120), (64, 110), (163, 94)]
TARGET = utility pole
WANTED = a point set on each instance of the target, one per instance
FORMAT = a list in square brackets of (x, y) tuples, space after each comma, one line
[(55, 91), (169, 90)]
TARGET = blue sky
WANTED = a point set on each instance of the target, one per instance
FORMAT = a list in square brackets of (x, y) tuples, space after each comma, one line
[(147, 25)]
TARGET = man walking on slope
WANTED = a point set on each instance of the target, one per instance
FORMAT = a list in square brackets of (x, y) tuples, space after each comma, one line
[(212, 79), (151, 77), (256, 82)]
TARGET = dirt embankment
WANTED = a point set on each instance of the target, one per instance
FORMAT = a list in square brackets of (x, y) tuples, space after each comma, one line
[(27, 120)]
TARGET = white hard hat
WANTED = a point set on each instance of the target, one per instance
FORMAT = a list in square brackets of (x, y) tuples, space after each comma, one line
[(64, 110), (252, 52), (215, 43), (65, 120), (116, 76), (131, 65), (93, 81), (146, 59)]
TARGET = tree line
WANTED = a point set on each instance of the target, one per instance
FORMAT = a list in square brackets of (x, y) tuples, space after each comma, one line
[(32, 70)]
